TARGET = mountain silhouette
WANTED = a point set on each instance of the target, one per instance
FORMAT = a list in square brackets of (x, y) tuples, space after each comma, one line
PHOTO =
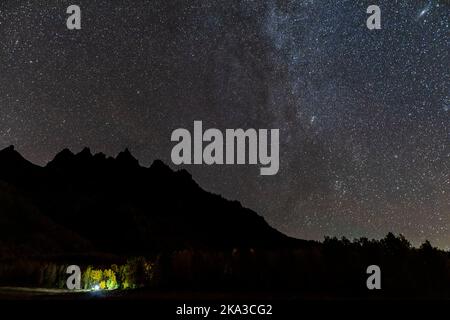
[(156, 228), (90, 202)]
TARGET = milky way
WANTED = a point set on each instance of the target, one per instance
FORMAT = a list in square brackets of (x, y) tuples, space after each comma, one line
[(364, 114)]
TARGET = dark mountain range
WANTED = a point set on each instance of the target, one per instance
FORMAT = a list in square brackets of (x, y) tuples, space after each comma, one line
[(83, 202), (133, 227)]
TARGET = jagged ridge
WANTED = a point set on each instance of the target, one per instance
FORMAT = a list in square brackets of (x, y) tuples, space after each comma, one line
[(115, 205)]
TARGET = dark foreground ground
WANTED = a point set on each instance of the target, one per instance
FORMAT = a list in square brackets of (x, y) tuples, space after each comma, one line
[(148, 304), (21, 293)]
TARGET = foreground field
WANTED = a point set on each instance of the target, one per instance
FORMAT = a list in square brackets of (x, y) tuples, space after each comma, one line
[(22, 293)]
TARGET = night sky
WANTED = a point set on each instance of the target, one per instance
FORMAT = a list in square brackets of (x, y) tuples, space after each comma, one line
[(363, 115)]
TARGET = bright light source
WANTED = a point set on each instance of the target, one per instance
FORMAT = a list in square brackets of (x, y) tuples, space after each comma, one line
[(96, 287)]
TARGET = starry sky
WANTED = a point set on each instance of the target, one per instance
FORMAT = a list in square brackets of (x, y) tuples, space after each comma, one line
[(363, 115)]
